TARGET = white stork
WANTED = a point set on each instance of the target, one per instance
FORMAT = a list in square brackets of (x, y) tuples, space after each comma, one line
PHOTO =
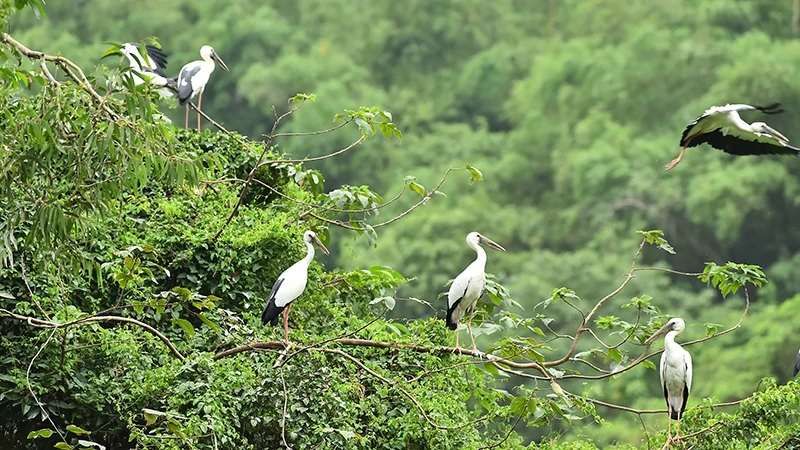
[(290, 285), (469, 286), (722, 128), (675, 370), (193, 78), (149, 66)]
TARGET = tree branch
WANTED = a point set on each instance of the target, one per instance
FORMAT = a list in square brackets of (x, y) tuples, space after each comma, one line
[(39, 323)]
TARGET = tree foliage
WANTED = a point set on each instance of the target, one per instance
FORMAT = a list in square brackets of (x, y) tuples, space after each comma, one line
[(136, 256)]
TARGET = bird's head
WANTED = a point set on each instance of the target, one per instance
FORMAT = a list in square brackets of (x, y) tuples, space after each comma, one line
[(128, 48), (476, 238), (763, 128), (311, 237), (208, 54), (675, 324)]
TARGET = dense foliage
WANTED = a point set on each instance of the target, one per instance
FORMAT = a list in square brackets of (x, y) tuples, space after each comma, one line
[(136, 256)]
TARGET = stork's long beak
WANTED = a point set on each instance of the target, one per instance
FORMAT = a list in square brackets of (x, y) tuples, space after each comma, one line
[(775, 133), (219, 61), (661, 331), (319, 244), (491, 243)]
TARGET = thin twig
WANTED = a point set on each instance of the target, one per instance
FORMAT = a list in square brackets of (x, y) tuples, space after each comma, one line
[(252, 174), (283, 415), (33, 394)]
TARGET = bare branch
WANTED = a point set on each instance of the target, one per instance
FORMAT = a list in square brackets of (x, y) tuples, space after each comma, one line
[(32, 321)]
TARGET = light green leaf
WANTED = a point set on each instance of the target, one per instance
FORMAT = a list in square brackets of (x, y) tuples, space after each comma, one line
[(77, 430), (187, 327), (43, 433)]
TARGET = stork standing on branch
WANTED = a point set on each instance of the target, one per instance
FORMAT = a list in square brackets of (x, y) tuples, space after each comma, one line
[(469, 286), (676, 372), (193, 78), (149, 66), (290, 285), (722, 128)]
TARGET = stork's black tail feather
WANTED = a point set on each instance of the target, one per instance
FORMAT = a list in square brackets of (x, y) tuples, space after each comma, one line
[(773, 108), (673, 414), (451, 324)]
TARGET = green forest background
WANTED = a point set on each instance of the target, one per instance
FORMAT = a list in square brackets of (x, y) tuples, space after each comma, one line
[(570, 109)]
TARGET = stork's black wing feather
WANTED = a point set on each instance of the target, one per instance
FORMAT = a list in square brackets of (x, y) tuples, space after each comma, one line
[(735, 145), (185, 83), (159, 58), (453, 324), (272, 311), (796, 365)]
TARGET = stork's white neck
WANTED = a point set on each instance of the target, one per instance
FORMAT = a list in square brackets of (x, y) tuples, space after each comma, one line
[(310, 254), (739, 123), (481, 259), (669, 341)]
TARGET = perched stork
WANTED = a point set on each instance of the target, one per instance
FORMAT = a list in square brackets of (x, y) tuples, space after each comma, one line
[(193, 78), (469, 286), (149, 66), (796, 365), (290, 285), (722, 128), (676, 372)]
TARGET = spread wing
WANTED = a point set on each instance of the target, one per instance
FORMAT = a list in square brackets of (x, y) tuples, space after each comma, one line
[(737, 142)]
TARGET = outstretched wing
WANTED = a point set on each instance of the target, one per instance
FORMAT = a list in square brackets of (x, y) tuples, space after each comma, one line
[(737, 142)]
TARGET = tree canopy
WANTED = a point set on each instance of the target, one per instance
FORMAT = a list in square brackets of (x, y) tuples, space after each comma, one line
[(136, 256)]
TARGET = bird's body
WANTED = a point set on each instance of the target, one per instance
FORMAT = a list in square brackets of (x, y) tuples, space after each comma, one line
[(796, 365), (150, 67), (468, 287), (290, 285), (722, 128), (193, 78), (675, 369)]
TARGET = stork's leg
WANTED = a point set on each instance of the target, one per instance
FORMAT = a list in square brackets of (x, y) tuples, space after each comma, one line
[(186, 125), (286, 325), (469, 327), (675, 161), (457, 335), (200, 108)]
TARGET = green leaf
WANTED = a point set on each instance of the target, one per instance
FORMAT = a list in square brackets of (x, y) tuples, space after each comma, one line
[(43, 433), (63, 445), (475, 174), (187, 327), (7, 295), (416, 187), (649, 365), (151, 415), (77, 430)]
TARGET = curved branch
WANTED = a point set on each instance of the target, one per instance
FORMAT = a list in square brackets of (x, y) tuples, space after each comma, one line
[(587, 317), (39, 323), (406, 393)]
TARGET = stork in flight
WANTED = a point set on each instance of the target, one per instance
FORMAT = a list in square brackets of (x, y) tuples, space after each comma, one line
[(193, 78), (290, 285), (675, 370), (149, 66), (469, 286), (722, 128)]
